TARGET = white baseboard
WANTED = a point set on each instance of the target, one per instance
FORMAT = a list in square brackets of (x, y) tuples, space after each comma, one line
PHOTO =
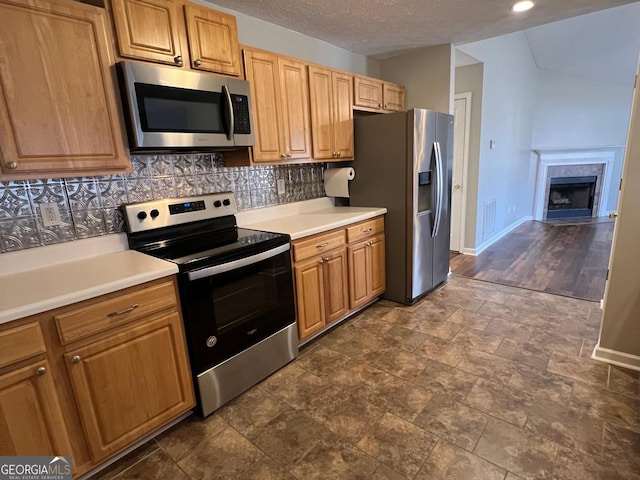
[(495, 237), (619, 359)]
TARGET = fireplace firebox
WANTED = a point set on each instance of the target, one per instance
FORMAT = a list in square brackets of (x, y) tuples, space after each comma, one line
[(571, 197)]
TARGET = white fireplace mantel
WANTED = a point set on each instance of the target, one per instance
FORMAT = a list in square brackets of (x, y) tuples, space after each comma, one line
[(549, 158)]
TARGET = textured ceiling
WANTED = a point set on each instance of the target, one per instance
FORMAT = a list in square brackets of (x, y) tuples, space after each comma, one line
[(384, 28)]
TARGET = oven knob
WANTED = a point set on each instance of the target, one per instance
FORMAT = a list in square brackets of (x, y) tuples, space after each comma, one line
[(217, 203), (142, 215), (226, 202), (154, 213), (211, 341)]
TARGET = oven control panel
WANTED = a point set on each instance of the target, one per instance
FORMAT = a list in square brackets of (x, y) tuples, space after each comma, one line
[(167, 212)]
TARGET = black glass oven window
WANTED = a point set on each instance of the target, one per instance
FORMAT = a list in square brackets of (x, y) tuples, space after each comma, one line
[(170, 109)]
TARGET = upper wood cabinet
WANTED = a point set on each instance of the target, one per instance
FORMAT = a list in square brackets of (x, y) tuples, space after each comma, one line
[(149, 30), (373, 95), (161, 30), (331, 100), (213, 40), (58, 110), (279, 91)]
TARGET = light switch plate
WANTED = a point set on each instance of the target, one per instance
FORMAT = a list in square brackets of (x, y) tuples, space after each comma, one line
[(281, 187), (50, 214)]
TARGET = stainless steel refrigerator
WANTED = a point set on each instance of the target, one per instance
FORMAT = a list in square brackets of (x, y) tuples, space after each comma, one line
[(403, 161)]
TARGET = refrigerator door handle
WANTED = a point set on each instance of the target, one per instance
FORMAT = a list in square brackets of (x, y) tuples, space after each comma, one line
[(439, 189)]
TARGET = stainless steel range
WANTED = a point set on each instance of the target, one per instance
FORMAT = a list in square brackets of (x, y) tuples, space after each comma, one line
[(236, 290)]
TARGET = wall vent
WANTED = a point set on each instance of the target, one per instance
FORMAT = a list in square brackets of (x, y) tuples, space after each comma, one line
[(489, 221)]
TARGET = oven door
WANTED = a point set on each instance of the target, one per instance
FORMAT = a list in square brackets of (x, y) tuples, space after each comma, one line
[(232, 306)]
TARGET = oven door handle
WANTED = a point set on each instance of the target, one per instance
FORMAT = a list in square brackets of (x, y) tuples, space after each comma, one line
[(242, 262)]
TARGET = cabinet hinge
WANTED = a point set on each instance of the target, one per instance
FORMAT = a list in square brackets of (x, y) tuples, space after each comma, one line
[(620, 187), (607, 277)]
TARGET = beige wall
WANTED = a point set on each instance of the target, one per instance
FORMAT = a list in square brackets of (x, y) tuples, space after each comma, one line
[(469, 79), (620, 329), (260, 34), (428, 75)]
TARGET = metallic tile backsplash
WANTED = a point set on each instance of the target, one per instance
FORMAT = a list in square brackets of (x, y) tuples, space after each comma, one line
[(88, 205)]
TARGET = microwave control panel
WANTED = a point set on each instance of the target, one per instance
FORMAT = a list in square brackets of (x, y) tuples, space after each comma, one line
[(241, 114)]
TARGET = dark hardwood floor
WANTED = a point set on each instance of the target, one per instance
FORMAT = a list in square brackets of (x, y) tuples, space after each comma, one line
[(566, 260)]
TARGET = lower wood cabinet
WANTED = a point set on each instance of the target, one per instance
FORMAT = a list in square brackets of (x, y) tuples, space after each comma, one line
[(321, 290), (130, 383), (336, 273), (366, 271), (31, 422), (92, 378)]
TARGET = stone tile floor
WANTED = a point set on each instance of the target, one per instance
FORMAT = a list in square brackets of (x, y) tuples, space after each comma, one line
[(477, 381)]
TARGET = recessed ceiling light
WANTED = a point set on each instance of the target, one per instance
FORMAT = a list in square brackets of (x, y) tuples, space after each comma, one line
[(523, 6)]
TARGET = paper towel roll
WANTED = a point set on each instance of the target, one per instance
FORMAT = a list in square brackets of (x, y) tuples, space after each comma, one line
[(336, 181)]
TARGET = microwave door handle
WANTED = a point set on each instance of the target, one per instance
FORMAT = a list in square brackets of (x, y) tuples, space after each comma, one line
[(227, 96), (235, 264)]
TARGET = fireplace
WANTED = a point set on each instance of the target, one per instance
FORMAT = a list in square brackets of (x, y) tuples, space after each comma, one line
[(561, 175), (571, 196)]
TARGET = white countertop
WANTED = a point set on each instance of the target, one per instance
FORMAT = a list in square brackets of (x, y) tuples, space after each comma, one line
[(69, 278), (302, 219), (39, 279)]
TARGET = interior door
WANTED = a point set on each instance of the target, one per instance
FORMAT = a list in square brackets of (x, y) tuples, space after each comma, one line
[(460, 139)]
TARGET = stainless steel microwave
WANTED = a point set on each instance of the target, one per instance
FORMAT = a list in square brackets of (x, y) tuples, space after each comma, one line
[(170, 109)]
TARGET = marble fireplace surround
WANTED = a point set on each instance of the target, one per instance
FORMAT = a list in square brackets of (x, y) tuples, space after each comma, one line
[(572, 163)]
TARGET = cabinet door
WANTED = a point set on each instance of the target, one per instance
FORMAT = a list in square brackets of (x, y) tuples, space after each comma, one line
[(131, 383), (377, 273), (336, 285), (31, 422), (149, 30), (393, 97), (342, 86), (294, 89), (261, 69), (58, 110), (321, 101), (213, 40), (310, 297), (367, 93), (358, 274)]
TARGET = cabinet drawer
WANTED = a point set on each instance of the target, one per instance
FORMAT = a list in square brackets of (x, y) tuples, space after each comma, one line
[(103, 315), (365, 229), (314, 246), (20, 343)]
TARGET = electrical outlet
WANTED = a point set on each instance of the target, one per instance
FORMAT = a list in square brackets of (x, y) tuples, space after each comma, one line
[(50, 214), (281, 187)]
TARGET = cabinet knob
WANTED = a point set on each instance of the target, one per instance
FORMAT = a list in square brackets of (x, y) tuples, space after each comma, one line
[(457, 186), (368, 244), (197, 63), (326, 259), (379, 105), (12, 165), (386, 106), (339, 154), (283, 156), (321, 260), (334, 154), (289, 155), (41, 371), (178, 59), (75, 359)]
